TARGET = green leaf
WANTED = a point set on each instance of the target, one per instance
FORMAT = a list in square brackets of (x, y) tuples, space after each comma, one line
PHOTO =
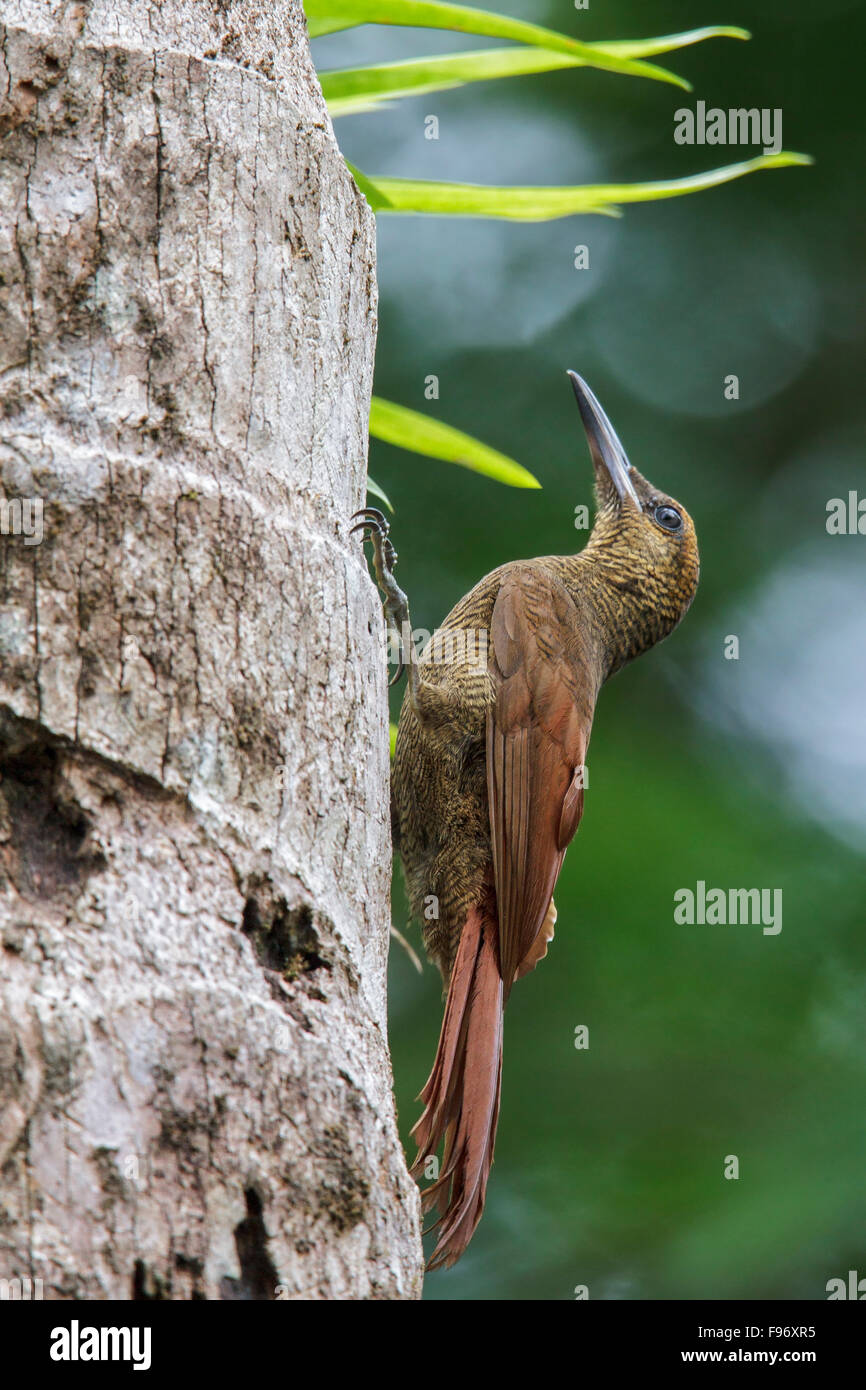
[(327, 16), (647, 48), (370, 188), (392, 735), (541, 204), (379, 492), (353, 90), (395, 424)]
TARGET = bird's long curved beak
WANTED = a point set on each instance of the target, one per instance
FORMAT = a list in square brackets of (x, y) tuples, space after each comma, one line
[(604, 445)]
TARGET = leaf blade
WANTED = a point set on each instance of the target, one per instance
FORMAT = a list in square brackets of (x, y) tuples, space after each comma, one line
[(669, 43), (409, 429), (350, 91), (329, 16), (379, 492), (354, 89), (539, 204)]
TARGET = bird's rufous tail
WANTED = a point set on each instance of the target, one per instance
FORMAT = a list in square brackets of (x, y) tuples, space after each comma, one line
[(462, 1093)]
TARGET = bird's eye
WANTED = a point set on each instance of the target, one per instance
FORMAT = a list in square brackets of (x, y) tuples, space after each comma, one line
[(668, 517)]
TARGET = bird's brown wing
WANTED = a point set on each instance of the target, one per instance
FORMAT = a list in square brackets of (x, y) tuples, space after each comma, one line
[(537, 734)]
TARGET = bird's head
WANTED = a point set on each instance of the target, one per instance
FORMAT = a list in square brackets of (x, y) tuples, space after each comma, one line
[(643, 542)]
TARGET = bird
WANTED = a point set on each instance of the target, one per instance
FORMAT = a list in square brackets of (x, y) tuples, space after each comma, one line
[(489, 771)]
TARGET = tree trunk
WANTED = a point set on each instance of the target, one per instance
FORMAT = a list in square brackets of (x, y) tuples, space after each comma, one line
[(194, 845)]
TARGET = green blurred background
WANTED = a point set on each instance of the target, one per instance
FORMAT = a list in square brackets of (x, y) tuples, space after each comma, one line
[(705, 1041)]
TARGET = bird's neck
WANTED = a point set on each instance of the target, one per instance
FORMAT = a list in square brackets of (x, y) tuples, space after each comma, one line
[(623, 605)]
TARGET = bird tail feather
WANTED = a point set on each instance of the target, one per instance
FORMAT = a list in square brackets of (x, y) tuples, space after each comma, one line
[(462, 1093)]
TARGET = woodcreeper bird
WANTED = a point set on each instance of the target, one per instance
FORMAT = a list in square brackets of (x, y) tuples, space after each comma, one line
[(488, 776)]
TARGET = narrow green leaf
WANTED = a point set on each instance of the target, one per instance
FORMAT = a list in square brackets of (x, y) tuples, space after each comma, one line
[(542, 204), (379, 492), (370, 188), (356, 106), (395, 424), (392, 735), (648, 48), (362, 89), (319, 25), (353, 90), (327, 16)]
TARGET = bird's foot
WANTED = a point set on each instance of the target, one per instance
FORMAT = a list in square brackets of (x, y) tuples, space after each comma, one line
[(375, 528)]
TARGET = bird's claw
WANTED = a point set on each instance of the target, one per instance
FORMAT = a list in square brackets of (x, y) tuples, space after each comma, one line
[(374, 527), (373, 517)]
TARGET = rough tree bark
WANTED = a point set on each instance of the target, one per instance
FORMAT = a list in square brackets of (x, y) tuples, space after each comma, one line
[(194, 847)]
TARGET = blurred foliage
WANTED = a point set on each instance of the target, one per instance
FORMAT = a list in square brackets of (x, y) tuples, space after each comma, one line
[(351, 90), (328, 16), (704, 1041), (362, 89)]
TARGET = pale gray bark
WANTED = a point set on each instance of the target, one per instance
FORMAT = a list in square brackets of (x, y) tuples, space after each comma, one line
[(194, 846)]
